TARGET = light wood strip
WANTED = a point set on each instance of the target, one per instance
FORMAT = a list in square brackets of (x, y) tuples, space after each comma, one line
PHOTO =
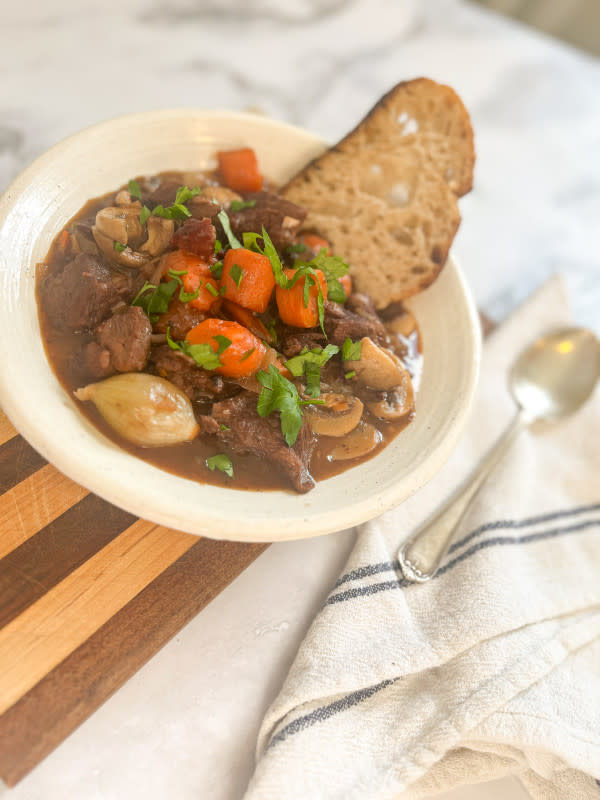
[(46, 632), (6, 429), (34, 503)]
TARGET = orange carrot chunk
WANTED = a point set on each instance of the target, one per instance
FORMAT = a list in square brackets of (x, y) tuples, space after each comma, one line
[(248, 320), (316, 243), (196, 276), (346, 282), (242, 357), (239, 170), (290, 302), (247, 279)]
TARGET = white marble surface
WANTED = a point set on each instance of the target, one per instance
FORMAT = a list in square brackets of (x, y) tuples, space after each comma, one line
[(185, 725)]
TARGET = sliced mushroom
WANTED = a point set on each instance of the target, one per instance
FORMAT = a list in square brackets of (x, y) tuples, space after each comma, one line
[(126, 258), (362, 440), (221, 195), (120, 224), (377, 367), (125, 200), (340, 414), (394, 404), (404, 324), (160, 233)]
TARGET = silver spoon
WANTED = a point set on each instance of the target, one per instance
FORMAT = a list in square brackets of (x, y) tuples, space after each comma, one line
[(550, 380)]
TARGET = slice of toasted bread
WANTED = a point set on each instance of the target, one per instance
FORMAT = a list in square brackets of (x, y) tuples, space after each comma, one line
[(386, 195)]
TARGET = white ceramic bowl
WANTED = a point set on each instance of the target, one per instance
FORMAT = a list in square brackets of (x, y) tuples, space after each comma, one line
[(49, 192)]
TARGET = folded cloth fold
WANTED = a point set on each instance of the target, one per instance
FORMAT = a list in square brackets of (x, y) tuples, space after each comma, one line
[(493, 667)]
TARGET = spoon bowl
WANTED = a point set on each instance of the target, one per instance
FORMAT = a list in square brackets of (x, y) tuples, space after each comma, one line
[(556, 374)]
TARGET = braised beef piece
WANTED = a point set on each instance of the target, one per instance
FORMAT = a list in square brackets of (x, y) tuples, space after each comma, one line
[(281, 218), (83, 294), (362, 305), (196, 236), (200, 207), (197, 383), (246, 432), (179, 319), (122, 344), (341, 323), (292, 342)]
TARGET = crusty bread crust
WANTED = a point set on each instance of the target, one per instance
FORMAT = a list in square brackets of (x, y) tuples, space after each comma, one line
[(386, 195)]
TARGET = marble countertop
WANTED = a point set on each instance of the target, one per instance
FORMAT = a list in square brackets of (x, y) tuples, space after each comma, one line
[(185, 724)]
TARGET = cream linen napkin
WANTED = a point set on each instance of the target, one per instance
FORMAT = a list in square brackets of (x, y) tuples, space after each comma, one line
[(402, 691)]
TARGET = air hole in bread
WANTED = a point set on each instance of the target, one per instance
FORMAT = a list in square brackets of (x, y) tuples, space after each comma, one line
[(418, 269), (402, 235)]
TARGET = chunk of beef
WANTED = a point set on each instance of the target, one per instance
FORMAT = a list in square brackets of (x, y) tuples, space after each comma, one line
[(197, 236), (179, 319), (122, 344), (247, 432), (362, 305), (292, 342), (281, 218), (84, 293), (197, 383), (341, 323)]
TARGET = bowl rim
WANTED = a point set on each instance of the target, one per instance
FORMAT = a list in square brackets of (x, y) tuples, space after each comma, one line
[(223, 526)]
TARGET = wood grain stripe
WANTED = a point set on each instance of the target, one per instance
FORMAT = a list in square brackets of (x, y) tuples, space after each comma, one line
[(75, 688), (49, 630), (34, 503), (18, 460), (45, 559), (6, 429)]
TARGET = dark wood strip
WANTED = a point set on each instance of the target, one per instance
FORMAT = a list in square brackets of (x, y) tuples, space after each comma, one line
[(67, 696), (32, 569), (18, 460)]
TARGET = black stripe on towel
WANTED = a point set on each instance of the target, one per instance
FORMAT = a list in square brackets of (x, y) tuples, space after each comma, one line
[(324, 712), (360, 591)]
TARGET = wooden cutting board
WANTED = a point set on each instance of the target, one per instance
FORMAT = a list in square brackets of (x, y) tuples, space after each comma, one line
[(88, 593)]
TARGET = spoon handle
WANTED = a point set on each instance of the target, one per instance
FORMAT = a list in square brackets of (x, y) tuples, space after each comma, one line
[(421, 554)]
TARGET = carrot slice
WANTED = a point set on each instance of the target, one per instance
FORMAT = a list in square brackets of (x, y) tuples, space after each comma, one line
[(247, 279), (242, 357), (316, 243), (197, 277), (248, 320), (290, 302), (239, 170), (346, 282)]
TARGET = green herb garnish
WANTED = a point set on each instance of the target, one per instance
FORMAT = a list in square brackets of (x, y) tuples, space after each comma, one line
[(223, 343), (334, 268), (211, 289), (226, 224), (239, 205), (119, 247), (202, 354), (145, 215), (178, 210), (218, 246), (220, 462), (247, 354), (237, 273), (351, 350), (299, 247), (154, 299), (279, 394), (134, 189), (350, 374), (309, 363), (217, 269), (224, 427)]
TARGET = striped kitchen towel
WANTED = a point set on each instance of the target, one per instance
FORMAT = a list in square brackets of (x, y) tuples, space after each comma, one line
[(493, 667)]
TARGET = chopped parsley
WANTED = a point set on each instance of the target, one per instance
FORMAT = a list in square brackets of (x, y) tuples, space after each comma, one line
[(184, 297), (239, 205), (299, 247), (119, 247), (177, 211), (309, 363), (217, 269), (154, 300), (220, 462), (223, 343), (134, 189), (145, 215), (351, 350), (218, 246), (279, 394), (272, 330), (202, 354), (237, 273), (334, 268), (247, 354), (211, 289), (224, 427), (234, 243), (350, 374)]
